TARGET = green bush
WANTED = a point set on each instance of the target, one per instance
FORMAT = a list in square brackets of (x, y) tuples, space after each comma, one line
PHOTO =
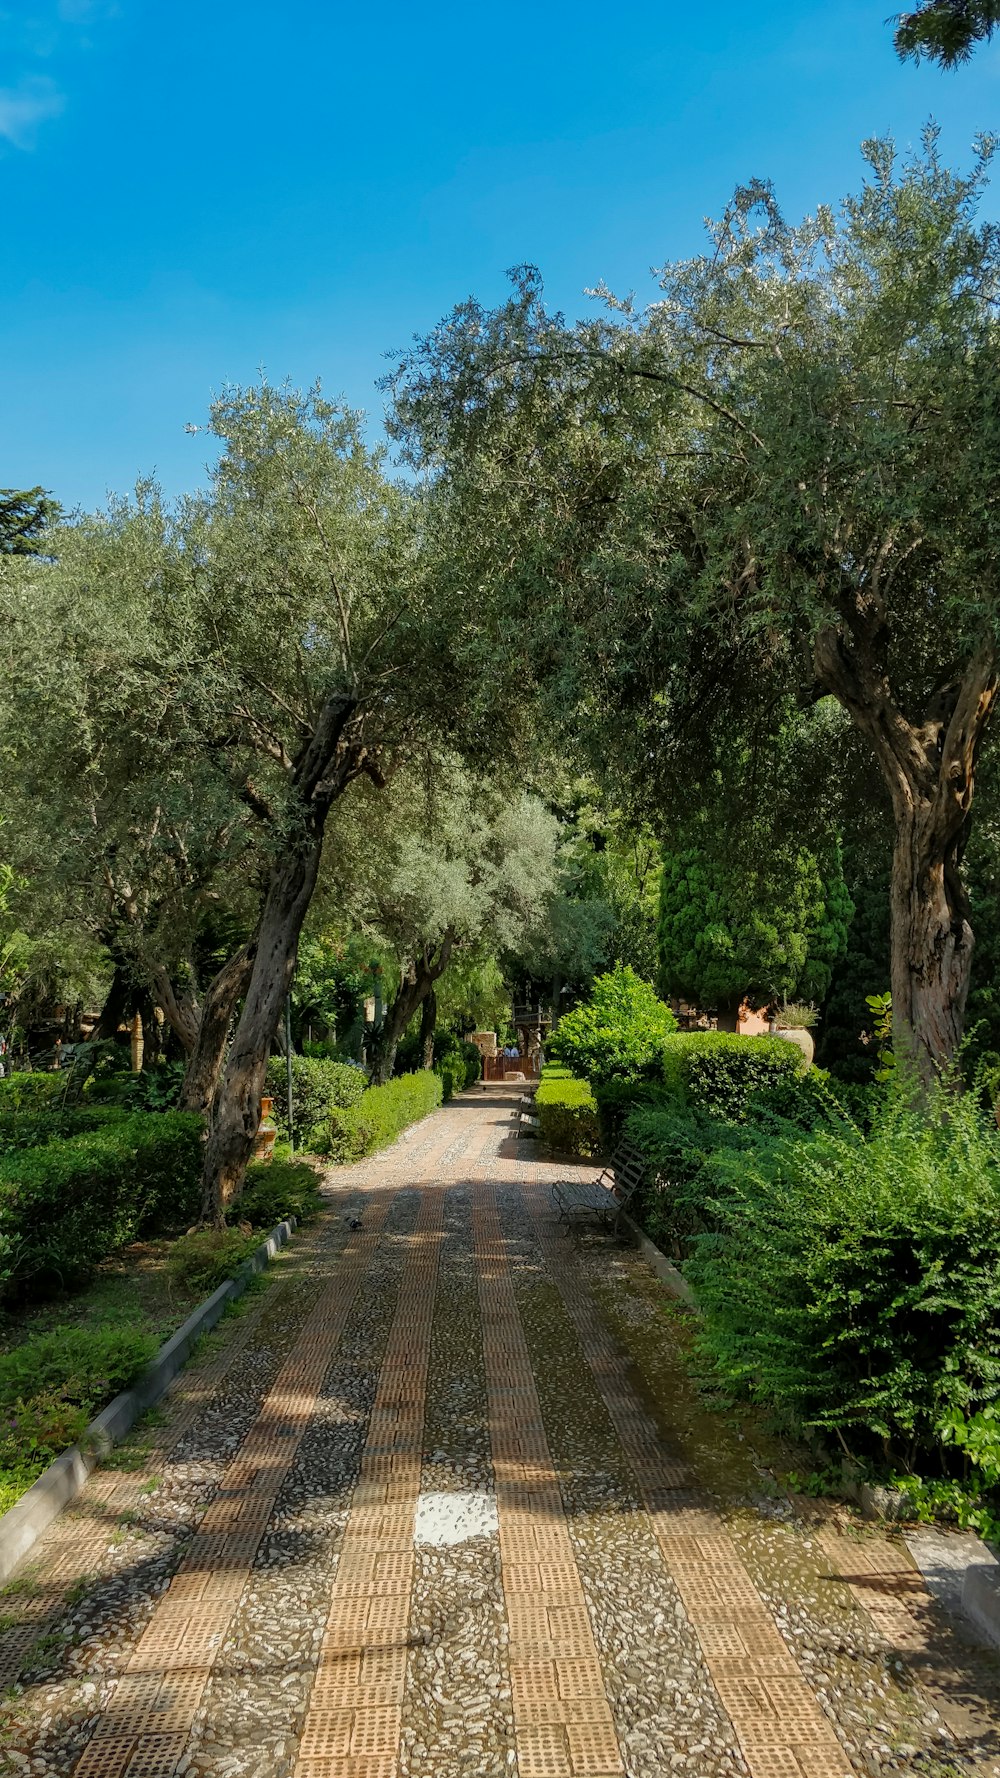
[(473, 1063), (51, 1387), (458, 1063), (856, 1278), (153, 1089), (25, 1092), (716, 1071), (36, 1125), (452, 1073), (617, 1099), (567, 1113), (815, 1097), (378, 1118), (680, 1144), (620, 1030), (319, 1086), (205, 1259), (64, 1206), (275, 1190)]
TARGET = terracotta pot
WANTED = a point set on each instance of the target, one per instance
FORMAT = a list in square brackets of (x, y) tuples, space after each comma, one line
[(267, 1132)]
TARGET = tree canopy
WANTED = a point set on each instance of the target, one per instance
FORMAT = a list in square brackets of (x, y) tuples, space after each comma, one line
[(946, 31), (773, 480)]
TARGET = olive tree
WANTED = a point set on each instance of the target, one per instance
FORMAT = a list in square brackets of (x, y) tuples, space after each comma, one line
[(774, 480), (261, 648), (452, 868)]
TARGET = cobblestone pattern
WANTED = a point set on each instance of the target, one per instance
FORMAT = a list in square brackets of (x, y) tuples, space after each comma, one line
[(563, 1726), (252, 1708), (666, 1710), (781, 1727), (457, 1719), (415, 1521), (354, 1717)]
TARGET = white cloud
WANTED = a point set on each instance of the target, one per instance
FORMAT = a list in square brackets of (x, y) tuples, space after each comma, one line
[(24, 107)]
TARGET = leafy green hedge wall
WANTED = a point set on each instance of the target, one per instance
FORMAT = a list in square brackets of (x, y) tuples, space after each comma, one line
[(567, 1112), (381, 1115), (65, 1205), (320, 1085), (718, 1071)]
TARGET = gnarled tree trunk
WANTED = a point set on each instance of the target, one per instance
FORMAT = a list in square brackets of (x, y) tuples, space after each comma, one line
[(236, 1113), (417, 983), (202, 1025), (333, 756), (428, 1024), (929, 767)]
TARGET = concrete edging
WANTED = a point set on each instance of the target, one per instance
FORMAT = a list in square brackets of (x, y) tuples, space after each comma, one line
[(669, 1276), (22, 1525)]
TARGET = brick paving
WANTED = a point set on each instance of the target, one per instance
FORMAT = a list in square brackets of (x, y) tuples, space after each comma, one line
[(419, 1513)]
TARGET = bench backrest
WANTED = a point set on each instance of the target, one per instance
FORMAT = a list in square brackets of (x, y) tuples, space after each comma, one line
[(629, 1166)]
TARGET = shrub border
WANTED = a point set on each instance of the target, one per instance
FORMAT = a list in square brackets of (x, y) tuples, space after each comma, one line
[(23, 1523), (977, 1569)]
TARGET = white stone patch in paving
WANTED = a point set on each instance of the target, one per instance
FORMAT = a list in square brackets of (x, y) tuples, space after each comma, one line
[(445, 1519)]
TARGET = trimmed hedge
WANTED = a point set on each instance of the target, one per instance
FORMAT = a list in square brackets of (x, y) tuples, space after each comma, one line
[(567, 1113), (716, 1071), (319, 1086), (380, 1116), (64, 1206), (36, 1125), (24, 1092)]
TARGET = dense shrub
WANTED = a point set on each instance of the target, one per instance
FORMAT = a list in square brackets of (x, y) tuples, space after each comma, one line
[(67, 1204), (87, 1366), (319, 1086), (458, 1063), (680, 1143), (857, 1278), (51, 1387), (617, 1099), (34, 1126), (153, 1089), (619, 1031), (378, 1118), (567, 1113), (23, 1092), (204, 1259), (716, 1071), (274, 1191)]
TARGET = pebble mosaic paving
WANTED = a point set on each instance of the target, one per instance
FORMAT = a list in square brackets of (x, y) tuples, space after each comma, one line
[(415, 1514)]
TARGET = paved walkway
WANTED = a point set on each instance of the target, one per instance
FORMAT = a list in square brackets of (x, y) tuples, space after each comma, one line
[(442, 1503)]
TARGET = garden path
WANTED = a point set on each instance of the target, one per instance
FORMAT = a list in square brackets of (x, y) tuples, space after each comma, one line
[(442, 1502)]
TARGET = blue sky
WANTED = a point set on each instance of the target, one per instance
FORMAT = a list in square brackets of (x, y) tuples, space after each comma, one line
[(193, 191)]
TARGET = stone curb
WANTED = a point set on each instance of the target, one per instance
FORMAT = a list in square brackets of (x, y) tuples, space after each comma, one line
[(658, 1262), (23, 1524), (981, 1594)]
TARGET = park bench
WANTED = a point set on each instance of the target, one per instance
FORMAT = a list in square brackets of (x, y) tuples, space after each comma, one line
[(606, 1198), (527, 1122)]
